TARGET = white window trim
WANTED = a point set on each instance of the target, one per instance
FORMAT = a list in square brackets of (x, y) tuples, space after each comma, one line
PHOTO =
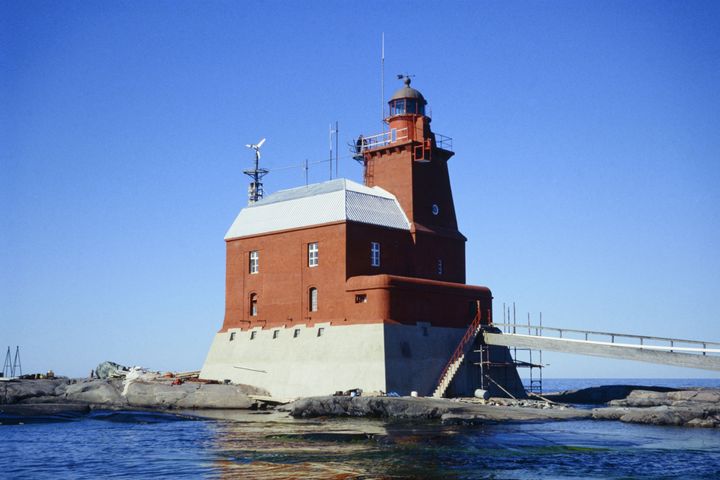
[(313, 254), (254, 266)]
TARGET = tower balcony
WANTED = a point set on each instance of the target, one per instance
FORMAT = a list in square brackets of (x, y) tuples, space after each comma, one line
[(398, 135)]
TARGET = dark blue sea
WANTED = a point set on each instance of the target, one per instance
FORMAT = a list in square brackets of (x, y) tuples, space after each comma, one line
[(261, 445)]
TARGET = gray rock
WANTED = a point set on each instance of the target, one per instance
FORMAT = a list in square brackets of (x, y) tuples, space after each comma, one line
[(95, 392), (221, 396), (600, 395), (26, 390), (609, 413), (423, 409), (190, 395), (709, 422)]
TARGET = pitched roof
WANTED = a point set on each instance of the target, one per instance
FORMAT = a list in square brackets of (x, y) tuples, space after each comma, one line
[(332, 201)]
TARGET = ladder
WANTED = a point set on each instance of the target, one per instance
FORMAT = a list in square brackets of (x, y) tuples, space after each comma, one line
[(458, 355)]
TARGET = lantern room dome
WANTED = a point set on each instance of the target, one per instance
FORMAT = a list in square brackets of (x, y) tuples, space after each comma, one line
[(407, 101), (408, 92)]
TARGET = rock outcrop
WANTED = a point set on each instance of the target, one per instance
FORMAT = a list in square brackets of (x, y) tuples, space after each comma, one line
[(600, 395), (156, 394), (692, 408), (421, 409)]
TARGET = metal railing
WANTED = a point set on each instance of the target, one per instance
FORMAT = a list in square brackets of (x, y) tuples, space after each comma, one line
[(642, 341), (397, 135), (443, 141), (470, 334), (382, 139)]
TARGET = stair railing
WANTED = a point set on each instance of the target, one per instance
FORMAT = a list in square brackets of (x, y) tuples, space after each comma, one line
[(469, 336)]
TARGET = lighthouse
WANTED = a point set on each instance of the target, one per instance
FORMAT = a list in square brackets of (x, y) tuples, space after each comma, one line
[(340, 285)]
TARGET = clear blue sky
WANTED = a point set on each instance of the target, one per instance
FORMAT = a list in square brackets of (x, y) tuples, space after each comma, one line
[(586, 174)]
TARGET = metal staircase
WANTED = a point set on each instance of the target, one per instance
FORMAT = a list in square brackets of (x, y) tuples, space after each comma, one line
[(458, 355)]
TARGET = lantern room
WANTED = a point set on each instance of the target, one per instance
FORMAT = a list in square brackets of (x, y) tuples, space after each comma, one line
[(407, 101)]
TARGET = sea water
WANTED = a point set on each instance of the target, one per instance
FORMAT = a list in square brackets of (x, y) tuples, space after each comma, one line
[(244, 444)]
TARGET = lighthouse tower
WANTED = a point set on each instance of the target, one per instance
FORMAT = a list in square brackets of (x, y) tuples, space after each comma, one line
[(341, 285), (411, 162)]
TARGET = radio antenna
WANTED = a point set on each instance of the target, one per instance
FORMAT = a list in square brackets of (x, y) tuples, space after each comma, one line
[(382, 82)]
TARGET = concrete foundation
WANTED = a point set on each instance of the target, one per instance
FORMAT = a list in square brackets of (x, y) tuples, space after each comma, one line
[(296, 361)]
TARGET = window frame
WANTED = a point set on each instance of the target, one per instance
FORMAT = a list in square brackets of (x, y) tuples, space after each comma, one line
[(375, 253), (254, 262), (313, 254), (312, 299), (253, 304)]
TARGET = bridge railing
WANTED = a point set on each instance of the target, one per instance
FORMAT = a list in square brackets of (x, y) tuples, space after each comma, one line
[(642, 341)]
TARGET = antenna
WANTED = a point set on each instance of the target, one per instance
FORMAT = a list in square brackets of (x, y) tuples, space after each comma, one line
[(382, 82), (330, 142), (255, 190), (8, 370), (17, 368), (333, 131), (12, 367)]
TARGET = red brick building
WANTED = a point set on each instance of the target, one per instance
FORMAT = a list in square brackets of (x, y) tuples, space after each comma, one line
[(339, 285)]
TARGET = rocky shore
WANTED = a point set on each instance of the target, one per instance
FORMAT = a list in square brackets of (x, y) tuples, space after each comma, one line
[(449, 411), (691, 408), (52, 395)]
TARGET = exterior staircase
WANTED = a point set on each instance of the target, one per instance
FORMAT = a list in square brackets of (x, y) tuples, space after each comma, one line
[(458, 355)]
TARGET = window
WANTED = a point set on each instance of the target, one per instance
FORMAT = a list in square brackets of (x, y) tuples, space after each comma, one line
[(296, 333), (254, 261), (253, 304), (361, 298), (321, 330), (411, 106), (232, 336), (440, 266), (313, 254), (313, 299), (374, 254), (276, 333), (252, 335)]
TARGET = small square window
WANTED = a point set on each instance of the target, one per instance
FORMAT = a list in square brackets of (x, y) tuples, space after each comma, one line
[(313, 254), (253, 335), (321, 331), (361, 298), (276, 334), (232, 336), (296, 333), (254, 262)]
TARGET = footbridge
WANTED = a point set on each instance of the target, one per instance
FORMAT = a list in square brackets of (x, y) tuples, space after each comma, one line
[(668, 351)]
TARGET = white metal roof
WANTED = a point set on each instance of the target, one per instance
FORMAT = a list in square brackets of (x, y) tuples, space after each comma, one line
[(332, 201)]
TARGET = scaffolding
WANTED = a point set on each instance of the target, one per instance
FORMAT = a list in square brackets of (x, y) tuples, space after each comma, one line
[(520, 357)]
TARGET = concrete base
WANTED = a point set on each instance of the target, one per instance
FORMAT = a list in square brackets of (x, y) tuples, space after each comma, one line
[(302, 361)]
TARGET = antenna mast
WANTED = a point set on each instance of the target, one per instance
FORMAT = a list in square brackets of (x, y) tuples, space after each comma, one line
[(255, 189), (382, 82)]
